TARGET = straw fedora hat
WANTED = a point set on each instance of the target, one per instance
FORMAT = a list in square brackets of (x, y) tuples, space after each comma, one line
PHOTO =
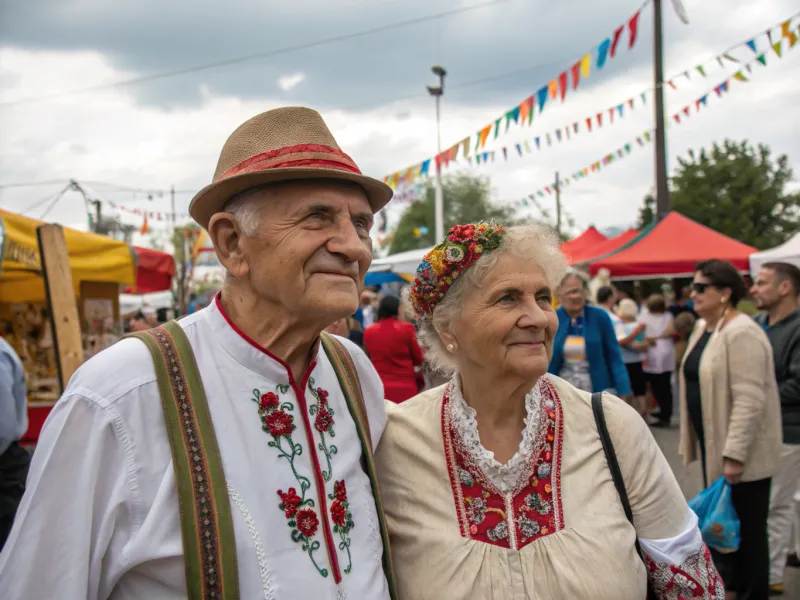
[(280, 145)]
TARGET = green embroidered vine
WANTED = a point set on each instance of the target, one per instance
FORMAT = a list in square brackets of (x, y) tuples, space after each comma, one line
[(323, 422)]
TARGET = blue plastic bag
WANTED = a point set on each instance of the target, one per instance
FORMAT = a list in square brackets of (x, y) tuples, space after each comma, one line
[(719, 523)]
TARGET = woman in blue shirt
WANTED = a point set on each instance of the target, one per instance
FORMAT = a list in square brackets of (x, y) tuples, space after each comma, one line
[(585, 349)]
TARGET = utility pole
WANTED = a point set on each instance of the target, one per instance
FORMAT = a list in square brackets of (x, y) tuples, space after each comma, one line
[(662, 188), (172, 206), (557, 186), (437, 93)]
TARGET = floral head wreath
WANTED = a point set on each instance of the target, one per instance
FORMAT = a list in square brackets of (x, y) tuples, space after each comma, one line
[(462, 246)]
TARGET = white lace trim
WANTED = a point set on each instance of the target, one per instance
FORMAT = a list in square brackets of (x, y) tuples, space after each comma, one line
[(463, 419), (261, 556)]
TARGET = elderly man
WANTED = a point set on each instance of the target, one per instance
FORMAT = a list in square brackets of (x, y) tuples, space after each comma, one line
[(228, 456)]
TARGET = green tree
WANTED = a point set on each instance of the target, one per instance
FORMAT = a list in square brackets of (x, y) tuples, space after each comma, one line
[(740, 191), (466, 200), (647, 213)]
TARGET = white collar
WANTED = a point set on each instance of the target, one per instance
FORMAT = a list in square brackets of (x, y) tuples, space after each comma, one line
[(463, 420), (246, 351)]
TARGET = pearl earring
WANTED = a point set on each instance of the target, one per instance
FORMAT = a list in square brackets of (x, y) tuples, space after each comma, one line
[(450, 347)]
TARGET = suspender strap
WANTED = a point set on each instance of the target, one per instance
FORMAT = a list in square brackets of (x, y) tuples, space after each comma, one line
[(348, 378), (616, 472), (209, 547)]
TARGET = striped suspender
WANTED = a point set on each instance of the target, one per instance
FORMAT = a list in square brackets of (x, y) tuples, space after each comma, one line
[(209, 547)]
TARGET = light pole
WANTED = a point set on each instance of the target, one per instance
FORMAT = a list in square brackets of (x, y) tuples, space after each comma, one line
[(662, 185), (437, 93)]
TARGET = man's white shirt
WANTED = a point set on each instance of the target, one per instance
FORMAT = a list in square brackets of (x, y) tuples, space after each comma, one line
[(99, 518)]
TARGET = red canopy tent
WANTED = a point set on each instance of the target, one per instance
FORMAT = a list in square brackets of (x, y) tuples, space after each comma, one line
[(603, 248), (154, 271), (672, 248), (583, 243)]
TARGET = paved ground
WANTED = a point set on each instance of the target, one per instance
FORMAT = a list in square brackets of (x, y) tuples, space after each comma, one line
[(690, 479)]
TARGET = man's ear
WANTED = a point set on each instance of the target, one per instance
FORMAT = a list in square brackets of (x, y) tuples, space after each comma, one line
[(224, 232)]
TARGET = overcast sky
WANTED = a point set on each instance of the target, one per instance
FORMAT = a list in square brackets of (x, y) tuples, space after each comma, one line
[(371, 89)]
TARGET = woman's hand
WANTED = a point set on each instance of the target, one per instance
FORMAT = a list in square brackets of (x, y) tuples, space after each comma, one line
[(732, 470)]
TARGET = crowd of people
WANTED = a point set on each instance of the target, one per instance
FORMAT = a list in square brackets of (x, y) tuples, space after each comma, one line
[(249, 450)]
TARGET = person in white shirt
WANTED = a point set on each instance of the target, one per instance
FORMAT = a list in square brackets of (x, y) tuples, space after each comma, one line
[(660, 360), (280, 500)]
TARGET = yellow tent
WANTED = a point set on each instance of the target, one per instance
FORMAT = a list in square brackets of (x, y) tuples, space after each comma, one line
[(92, 258)]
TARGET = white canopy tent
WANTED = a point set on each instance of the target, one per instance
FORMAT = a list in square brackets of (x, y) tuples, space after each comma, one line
[(402, 263), (788, 252)]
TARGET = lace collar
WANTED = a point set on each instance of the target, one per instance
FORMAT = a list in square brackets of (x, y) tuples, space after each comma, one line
[(464, 422)]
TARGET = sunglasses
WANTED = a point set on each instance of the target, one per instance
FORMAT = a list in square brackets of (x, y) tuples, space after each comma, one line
[(700, 288)]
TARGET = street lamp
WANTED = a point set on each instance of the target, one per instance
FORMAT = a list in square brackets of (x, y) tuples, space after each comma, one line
[(437, 93)]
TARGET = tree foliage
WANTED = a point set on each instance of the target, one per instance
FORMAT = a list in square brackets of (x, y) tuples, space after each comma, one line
[(647, 214), (467, 199), (738, 190)]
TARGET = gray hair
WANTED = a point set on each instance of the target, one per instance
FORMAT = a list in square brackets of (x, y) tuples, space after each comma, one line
[(246, 209), (533, 241)]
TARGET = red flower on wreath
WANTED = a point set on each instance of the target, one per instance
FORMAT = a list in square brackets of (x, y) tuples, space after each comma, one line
[(340, 491), (307, 522), (324, 419), (289, 502), (268, 401), (279, 423), (338, 513)]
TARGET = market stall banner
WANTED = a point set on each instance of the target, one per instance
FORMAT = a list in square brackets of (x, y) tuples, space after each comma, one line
[(92, 257)]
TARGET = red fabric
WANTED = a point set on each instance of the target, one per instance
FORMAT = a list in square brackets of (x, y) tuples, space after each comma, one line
[(154, 271), (581, 244), (267, 160), (36, 418), (674, 247), (392, 346), (602, 248)]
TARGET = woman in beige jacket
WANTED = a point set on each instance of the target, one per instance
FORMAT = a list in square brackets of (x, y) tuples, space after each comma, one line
[(730, 410)]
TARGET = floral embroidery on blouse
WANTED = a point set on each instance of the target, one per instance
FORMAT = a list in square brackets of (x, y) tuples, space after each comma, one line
[(695, 577), (515, 517)]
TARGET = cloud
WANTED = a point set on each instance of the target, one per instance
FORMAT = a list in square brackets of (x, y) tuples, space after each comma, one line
[(371, 91), (289, 82)]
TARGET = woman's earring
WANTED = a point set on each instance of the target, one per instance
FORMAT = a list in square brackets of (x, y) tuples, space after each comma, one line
[(451, 348)]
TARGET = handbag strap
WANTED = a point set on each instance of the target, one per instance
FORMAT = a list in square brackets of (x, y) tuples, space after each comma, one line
[(347, 374), (209, 547), (616, 472)]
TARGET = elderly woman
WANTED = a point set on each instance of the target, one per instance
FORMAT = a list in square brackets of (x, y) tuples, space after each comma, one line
[(496, 485), (585, 350), (730, 410)]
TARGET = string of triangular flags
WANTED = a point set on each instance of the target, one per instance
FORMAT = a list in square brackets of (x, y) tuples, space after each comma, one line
[(617, 112), (152, 215), (647, 136), (523, 113), (424, 168)]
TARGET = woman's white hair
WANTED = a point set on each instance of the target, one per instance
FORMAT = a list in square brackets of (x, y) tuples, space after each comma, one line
[(536, 243)]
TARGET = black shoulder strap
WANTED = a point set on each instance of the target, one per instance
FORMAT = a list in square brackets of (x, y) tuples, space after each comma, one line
[(611, 456)]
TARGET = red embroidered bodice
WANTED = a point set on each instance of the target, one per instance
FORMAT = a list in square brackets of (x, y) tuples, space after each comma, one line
[(532, 509)]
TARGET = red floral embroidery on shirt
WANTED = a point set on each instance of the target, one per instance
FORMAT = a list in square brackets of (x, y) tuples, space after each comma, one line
[(268, 401), (298, 509), (526, 513), (290, 501), (307, 522), (323, 422), (279, 423), (695, 577), (342, 519)]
